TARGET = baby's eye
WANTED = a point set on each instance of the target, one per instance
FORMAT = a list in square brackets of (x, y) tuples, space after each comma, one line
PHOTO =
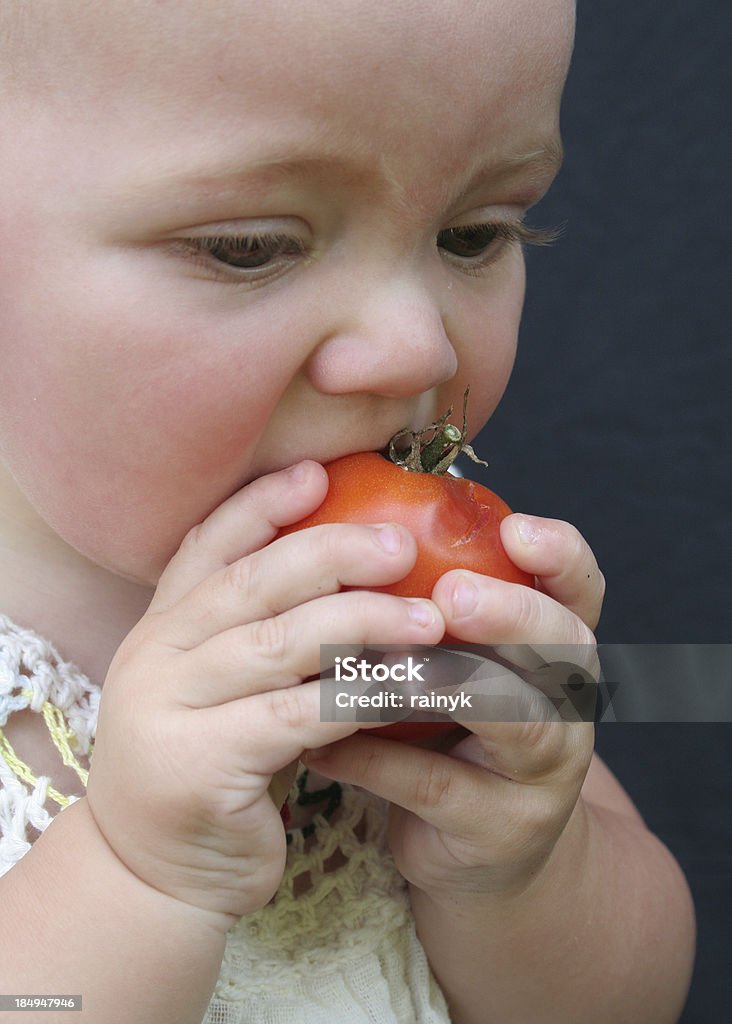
[(468, 242), (475, 246), (249, 252), (241, 257)]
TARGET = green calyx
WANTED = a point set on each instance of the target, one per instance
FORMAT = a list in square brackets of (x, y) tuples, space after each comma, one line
[(434, 449)]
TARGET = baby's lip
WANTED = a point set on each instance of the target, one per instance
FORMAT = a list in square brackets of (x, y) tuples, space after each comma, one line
[(379, 445), (422, 415), (421, 418)]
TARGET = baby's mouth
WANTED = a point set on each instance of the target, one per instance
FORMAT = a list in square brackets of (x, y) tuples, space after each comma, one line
[(423, 414)]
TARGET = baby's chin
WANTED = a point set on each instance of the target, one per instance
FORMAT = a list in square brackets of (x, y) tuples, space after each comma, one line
[(132, 564)]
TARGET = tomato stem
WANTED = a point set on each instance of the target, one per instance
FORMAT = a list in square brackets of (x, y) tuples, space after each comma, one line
[(434, 449)]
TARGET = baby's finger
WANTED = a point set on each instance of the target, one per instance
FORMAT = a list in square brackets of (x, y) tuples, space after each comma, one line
[(281, 651), (245, 522), (296, 568), (509, 614), (561, 558), (519, 719), (481, 610), (460, 796), (530, 752), (278, 724)]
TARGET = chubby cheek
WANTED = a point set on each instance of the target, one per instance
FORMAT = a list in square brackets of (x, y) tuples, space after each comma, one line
[(483, 326), (124, 435)]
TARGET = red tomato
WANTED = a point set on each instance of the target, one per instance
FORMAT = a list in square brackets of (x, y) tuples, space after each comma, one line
[(455, 523)]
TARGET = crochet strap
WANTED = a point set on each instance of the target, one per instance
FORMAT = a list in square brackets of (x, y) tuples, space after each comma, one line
[(22, 772), (60, 734)]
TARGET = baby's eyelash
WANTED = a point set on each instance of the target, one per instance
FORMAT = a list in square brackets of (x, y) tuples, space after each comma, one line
[(249, 257), (528, 235), (243, 256), (473, 248), (275, 244), (509, 231), (247, 243)]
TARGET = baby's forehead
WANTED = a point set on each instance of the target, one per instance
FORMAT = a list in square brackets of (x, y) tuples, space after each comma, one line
[(47, 41), (53, 49), (139, 86), (47, 45), (43, 40)]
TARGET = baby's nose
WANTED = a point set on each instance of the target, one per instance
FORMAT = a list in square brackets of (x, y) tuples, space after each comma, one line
[(393, 343)]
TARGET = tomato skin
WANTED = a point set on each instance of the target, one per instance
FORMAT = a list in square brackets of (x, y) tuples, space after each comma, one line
[(455, 523)]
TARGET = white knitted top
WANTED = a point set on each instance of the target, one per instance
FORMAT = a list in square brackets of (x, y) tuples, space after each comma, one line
[(333, 947)]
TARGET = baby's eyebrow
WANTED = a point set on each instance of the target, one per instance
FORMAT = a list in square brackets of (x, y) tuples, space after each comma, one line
[(539, 164), (546, 158), (549, 154), (240, 174), (536, 165)]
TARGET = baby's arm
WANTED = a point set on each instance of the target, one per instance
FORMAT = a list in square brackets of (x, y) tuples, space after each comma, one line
[(606, 935), (126, 898), (76, 921)]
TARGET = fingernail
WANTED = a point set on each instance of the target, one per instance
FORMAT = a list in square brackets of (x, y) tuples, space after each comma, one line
[(298, 473), (389, 538), (527, 528), (464, 597), (421, 612)]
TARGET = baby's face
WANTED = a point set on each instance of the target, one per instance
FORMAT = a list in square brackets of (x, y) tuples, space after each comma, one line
[(228, 246)]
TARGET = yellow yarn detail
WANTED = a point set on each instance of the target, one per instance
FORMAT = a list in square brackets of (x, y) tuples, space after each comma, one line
[(61, 734), (23, 772)]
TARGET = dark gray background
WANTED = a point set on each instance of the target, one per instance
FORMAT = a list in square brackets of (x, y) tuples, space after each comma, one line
[(617, 417)]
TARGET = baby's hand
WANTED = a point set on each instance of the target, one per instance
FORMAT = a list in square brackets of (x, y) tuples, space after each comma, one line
[(484, 818), (205, 700)]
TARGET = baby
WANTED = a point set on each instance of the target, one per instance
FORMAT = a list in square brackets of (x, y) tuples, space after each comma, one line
[(241, 240)]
